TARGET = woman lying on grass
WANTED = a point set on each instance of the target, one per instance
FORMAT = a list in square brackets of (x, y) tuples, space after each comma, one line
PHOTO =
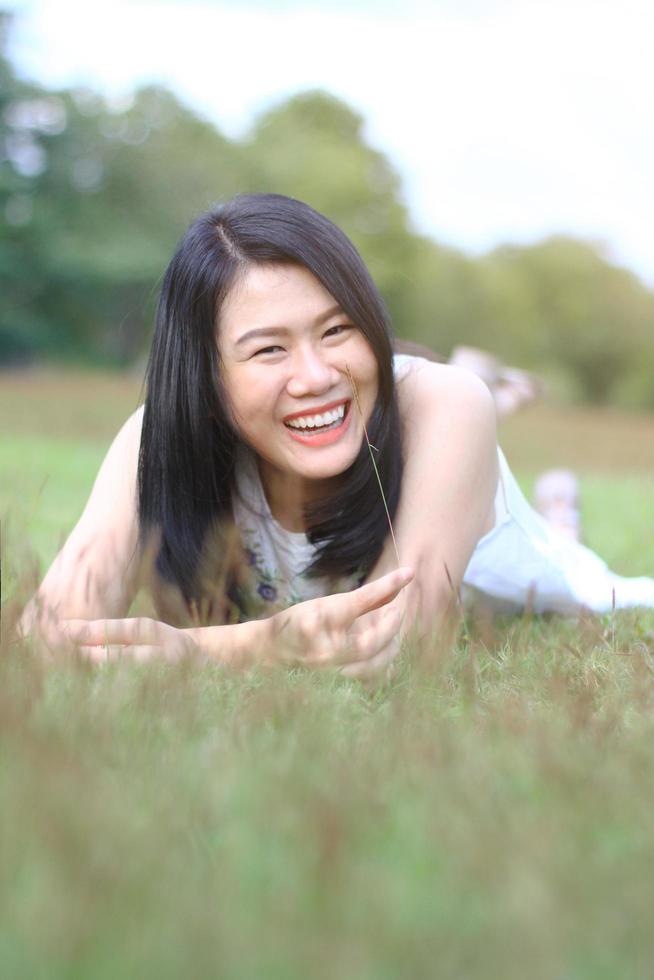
[(244, 490)]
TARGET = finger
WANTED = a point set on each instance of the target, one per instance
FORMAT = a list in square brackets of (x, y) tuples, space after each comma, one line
[(342, 648), (97, 631), (116, 651), (377, 638), (372, 595), (110, 631), (376, 665), (61, 637), (346, 648), (385, 653), (327, 657)]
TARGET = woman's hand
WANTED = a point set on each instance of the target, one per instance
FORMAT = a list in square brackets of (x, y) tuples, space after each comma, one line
[(356, 631), (106, 639), (338, 630)]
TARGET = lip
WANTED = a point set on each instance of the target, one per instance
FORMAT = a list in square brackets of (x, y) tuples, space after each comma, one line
[(322, 438), (315, 411)]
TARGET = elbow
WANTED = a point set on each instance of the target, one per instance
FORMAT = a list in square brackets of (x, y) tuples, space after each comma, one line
[(433, 610)]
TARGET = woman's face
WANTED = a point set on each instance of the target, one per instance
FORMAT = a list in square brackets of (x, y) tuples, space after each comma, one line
[(285, 348)]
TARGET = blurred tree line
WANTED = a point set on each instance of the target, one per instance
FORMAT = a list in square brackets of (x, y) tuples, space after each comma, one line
[(94, 197)]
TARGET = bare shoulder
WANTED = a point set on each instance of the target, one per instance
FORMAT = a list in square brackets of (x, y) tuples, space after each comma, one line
[(135, 421), (123, 451), (111, 510), (443, 391), (116, 479), (130, 433)]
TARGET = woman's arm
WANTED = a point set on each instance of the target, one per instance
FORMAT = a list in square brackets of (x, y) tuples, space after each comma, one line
[(86, 594), (332, 631), (448, 488), (96, 572)]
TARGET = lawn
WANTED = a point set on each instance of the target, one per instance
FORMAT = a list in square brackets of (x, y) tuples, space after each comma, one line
[(488, 814)]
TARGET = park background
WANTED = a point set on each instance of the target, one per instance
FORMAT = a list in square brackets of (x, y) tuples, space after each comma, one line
[(98, 184), (489, 814)]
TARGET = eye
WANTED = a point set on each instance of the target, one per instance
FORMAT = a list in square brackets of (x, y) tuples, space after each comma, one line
[(268, 350), (338, 329)]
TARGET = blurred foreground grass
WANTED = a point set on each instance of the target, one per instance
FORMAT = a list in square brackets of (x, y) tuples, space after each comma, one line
[(487, 815)]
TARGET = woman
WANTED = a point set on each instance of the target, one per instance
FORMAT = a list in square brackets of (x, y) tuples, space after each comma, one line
[(246, 486)]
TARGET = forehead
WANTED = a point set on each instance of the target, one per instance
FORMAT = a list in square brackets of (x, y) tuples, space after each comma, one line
[(272, 295)]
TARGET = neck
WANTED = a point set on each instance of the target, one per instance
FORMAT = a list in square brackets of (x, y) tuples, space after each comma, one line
[(288, 496)]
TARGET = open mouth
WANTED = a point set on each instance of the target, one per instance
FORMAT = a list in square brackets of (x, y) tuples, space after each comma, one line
[(317, 424)]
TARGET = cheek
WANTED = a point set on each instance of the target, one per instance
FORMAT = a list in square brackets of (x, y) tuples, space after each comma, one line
[(369, 379), (369, 371), (251, 399), (238, 396)]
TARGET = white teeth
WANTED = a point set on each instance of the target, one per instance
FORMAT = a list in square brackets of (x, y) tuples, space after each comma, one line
[(314, 421)]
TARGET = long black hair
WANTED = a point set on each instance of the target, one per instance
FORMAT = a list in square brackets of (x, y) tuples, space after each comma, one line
[(189, 442)]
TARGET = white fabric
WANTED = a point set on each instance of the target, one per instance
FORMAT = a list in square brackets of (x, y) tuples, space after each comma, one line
[(525, 561), (521, 561)]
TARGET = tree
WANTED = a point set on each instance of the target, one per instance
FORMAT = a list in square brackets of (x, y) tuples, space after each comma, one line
[(313, 147), (94, 202), (577, 311), (95, 198)]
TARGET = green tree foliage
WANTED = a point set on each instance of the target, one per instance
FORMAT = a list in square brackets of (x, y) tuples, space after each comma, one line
[(313, 147), (94, 200), (560, 303), (95, 196)]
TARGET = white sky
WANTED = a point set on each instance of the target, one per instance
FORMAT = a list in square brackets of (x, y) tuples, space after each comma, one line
[(507, 120)]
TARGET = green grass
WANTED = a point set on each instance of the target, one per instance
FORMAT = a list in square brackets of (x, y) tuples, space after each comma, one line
[(45, 485), (487, 815)]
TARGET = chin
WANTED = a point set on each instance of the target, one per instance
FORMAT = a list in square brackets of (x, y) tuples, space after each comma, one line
[(294, 460), (325, 469), (327, 473)]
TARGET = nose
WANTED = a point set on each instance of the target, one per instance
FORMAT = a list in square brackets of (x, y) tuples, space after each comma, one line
[(311, 373)]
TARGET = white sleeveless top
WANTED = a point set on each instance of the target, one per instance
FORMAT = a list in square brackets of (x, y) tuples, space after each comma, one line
[(521, 561)]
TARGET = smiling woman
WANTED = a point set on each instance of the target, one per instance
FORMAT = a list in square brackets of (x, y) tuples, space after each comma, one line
[(244, 494), (264, 307), (294, 397)]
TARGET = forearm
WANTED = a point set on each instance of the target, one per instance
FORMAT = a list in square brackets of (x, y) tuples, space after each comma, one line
[(320, 632), (241, 644)]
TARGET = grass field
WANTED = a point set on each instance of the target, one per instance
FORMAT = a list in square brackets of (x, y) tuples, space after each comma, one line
[(486, 815)]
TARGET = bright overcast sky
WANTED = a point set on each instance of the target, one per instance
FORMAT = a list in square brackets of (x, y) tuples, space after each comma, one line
[(507, 120)]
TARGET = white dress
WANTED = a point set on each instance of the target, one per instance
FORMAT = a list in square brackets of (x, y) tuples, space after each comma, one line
[(522, 561)]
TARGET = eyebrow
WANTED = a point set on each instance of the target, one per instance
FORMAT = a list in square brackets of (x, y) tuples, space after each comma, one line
[(284, 331)]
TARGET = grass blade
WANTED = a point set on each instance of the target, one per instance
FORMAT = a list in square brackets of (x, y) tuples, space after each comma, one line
[(374, 464)]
